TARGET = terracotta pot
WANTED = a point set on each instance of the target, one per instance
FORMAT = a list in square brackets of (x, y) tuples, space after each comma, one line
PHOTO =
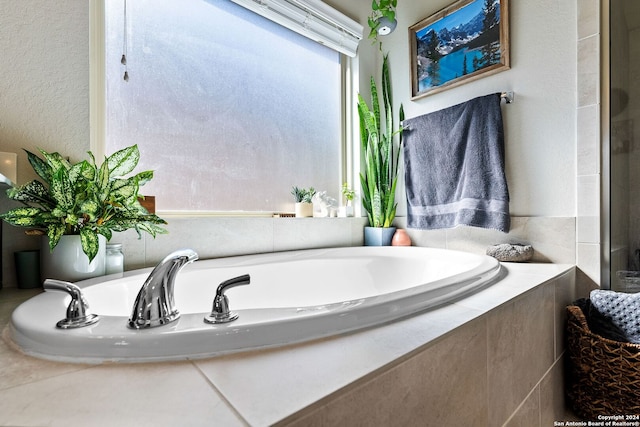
[(401, 238)]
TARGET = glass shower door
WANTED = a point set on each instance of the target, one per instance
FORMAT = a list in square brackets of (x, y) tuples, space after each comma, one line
[(624, 150)]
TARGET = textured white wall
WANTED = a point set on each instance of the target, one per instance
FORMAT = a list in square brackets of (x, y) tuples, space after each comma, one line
[(44, 88), (540, 126)]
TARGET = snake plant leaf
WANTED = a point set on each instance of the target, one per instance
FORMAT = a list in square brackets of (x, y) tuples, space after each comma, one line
[(124, 161), (379, 180), (375, 104), (39, 166), (390, 208), (90, 242)]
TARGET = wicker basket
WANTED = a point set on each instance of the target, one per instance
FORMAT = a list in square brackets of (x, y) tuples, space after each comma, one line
[(603, 375)]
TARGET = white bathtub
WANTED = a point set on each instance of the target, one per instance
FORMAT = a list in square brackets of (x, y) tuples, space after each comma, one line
[(293, 297)]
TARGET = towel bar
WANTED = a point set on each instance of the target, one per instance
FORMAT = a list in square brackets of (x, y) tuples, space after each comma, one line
[(508, 97)]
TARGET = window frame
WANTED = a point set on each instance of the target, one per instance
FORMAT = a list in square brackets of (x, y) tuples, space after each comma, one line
[(349, 153)]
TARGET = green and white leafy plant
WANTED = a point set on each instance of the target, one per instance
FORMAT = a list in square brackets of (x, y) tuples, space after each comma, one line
[(302, 195), (380, 9), (347, 192), (83, 199), (381, 153)]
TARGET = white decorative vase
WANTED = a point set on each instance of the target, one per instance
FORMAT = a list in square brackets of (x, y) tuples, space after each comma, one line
[(345, 211), (304, 210), (69, 262)]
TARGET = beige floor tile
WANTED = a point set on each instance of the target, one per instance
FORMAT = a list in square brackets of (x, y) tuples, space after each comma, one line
[(173, 394)]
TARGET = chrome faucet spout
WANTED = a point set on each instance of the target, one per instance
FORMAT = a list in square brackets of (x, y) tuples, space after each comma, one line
[(155, 305)]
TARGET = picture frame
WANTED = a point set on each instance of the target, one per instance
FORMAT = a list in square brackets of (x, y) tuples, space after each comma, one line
[(465, 41)]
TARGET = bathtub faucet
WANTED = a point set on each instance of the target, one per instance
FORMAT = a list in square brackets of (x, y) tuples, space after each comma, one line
[(220, 312), (155, 304), (78, 315)]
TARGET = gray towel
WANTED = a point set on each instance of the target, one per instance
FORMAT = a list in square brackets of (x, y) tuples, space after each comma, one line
[(623, 310), (454, 167)]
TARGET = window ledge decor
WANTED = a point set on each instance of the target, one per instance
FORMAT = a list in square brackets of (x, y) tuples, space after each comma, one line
[(463, 42)]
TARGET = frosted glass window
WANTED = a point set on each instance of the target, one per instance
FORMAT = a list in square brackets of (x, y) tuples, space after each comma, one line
[(228, 108)]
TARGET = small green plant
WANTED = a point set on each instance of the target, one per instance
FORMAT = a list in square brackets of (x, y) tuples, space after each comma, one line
[(347, 192), (381, 155), (302, 195), (83, 199), (380, 9)]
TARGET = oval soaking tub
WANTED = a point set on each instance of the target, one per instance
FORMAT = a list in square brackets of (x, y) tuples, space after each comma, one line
[(293, 297)]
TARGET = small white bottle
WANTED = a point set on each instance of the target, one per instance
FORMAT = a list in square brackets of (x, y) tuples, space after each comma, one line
[(115, 259)]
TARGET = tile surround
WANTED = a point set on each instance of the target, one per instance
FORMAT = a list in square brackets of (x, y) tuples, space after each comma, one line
[(505, 373), (212, 237), (588, 128)]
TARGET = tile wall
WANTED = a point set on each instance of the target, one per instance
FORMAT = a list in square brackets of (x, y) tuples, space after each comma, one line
[(588, 161), (211, 237), (503, 368)]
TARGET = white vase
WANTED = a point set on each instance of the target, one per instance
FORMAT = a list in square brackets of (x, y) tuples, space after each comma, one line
[(304, 210), (69, 262)]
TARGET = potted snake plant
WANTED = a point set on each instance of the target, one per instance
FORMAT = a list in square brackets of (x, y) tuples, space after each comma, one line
[(381, 157), (77, 207)]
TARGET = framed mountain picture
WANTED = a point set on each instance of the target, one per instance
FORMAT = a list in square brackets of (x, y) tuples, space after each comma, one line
[(464, 41)]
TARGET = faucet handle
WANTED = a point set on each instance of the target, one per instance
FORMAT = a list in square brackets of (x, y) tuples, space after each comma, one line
[(220, 312), (78, 310)]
